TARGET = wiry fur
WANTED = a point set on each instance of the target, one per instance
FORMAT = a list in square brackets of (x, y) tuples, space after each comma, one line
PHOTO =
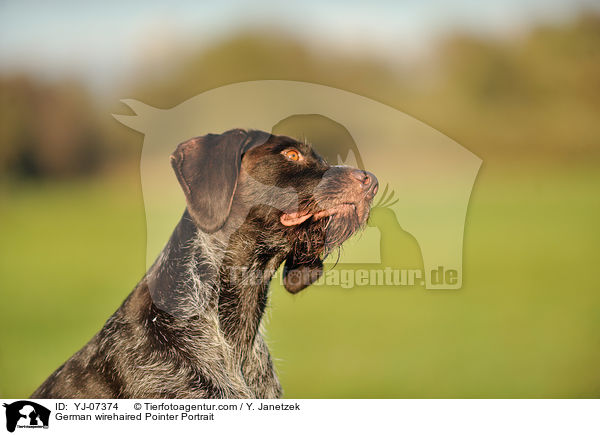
[(192, 326)]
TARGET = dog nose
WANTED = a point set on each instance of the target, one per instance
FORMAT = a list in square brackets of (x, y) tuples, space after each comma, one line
[(367, 179)]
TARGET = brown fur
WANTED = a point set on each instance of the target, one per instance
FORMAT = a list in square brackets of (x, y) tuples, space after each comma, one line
[(191, 327)]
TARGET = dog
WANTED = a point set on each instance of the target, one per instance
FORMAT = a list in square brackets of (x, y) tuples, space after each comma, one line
[(191, 327)]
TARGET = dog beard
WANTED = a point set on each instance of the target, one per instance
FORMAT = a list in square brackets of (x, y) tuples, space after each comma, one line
[(319, 237), (312, 241)]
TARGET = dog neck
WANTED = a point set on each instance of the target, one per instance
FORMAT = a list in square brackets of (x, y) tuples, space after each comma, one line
[(226, 273)]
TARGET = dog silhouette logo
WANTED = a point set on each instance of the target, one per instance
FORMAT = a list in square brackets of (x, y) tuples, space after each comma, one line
[(426, 178), (26, 414)]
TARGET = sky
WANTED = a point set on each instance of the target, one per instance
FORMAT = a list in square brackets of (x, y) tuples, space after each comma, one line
[(102, 41)]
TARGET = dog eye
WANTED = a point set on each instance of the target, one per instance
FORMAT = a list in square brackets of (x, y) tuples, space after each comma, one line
[(293, 155)]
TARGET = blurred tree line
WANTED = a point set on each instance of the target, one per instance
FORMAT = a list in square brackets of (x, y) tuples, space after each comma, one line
[(536, 96), (47, 129)]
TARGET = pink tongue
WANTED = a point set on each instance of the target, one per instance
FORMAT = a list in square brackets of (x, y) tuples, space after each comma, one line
[(293, 218)]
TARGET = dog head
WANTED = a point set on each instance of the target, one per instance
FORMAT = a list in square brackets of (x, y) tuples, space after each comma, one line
[(302, 206)]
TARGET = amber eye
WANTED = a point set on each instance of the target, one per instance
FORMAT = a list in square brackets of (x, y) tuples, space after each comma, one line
[(293, 155)]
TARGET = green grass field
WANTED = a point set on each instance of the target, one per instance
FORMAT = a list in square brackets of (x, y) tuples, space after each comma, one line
[(525, 324)]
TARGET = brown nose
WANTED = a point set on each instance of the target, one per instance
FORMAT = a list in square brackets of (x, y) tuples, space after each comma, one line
[(367, 180)]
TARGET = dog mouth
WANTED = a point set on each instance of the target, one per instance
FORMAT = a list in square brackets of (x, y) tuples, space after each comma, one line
[(296, 218)]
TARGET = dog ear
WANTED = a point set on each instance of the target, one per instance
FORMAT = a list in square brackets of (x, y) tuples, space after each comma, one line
[(207, 169), (299, 275)]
